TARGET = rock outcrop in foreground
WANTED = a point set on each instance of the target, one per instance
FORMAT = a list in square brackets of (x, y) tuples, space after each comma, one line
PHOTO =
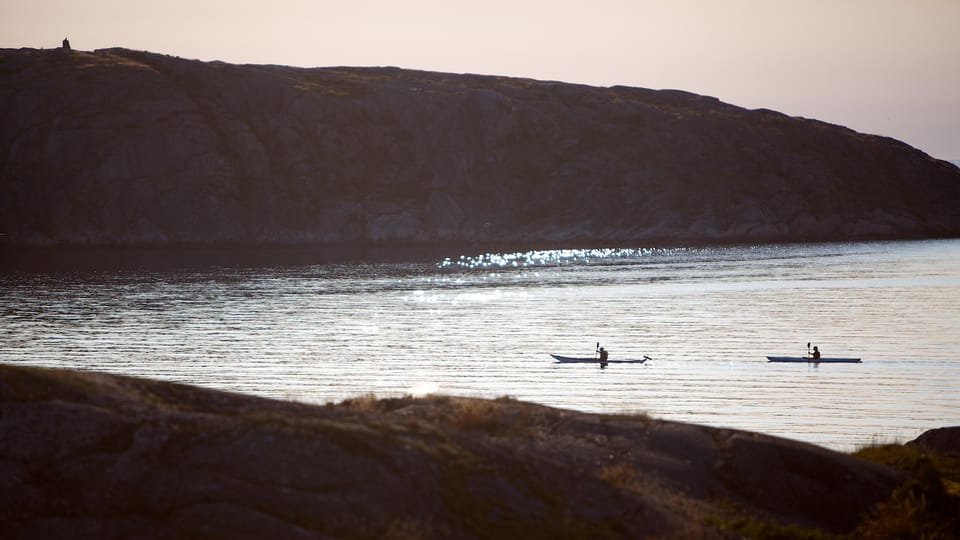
[(118, 147), (88, 455)]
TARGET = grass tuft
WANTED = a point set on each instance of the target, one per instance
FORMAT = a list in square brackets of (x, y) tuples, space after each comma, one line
[(904, 458), (476, 415), (926, 506), (619, 475), (366, 402)]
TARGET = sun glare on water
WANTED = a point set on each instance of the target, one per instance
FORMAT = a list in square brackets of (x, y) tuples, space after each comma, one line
[(423, 389), (543, 258)]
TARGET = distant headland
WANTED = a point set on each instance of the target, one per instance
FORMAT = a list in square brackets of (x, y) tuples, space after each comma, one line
[(127, 148)]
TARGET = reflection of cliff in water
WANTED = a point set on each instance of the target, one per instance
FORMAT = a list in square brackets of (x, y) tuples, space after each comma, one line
[(97, 259), (119, 147)]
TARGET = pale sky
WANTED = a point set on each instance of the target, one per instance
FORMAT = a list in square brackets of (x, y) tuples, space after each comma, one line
[(890, 67)]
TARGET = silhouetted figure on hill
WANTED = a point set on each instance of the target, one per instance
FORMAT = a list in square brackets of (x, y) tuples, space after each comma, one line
[(66, 44)]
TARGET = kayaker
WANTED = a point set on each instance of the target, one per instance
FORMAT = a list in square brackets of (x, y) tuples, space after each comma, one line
[(816, 353), (603, 357)]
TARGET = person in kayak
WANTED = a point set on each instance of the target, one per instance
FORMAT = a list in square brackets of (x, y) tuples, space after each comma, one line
[(603, 357), (816, 353)]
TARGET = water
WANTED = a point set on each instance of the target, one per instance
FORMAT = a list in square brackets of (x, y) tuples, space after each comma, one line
[(316, 330)]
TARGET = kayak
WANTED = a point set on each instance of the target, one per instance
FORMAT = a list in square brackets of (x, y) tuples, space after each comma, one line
[(594, 360), (809, 360)]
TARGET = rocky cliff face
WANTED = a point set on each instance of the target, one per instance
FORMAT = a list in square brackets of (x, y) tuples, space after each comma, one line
[(118, 147)]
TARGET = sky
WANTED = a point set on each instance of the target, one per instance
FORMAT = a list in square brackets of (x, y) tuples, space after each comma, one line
[(889, 67)]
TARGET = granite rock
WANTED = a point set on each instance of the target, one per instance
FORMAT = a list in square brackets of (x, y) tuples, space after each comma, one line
[(90, 455)]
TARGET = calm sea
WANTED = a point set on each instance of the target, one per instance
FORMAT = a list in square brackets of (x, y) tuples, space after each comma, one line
[(295, 325)]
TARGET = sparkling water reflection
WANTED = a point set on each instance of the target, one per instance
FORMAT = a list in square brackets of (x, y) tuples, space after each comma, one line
[(484, 324)]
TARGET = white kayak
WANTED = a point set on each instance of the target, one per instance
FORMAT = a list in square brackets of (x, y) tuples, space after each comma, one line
[(809, 360), (594, 360)]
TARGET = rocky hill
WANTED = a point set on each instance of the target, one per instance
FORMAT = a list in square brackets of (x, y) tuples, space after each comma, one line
[(119, 147), (89, 455)]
